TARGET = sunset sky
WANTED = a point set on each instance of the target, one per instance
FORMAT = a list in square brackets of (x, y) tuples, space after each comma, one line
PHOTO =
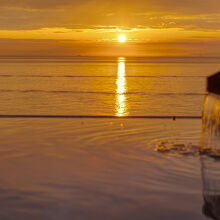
[(91, 28)]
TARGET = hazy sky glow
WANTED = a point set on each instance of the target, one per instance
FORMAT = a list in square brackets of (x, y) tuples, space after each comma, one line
[(72, 27)]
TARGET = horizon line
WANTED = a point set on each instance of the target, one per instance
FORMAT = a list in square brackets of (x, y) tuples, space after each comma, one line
[(106, 56)]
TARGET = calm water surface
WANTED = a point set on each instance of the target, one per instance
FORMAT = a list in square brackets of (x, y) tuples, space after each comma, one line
[(100, 168)]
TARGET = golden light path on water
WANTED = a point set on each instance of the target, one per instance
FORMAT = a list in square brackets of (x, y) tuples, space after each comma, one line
[(121, 105)]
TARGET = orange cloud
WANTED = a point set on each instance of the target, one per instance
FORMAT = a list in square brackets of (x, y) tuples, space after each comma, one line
[(95, 24)]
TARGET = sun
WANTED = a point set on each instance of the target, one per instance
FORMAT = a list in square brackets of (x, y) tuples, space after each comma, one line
[(122, 38)]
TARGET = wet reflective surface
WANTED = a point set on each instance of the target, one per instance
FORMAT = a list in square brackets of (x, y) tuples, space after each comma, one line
[(211, 164), (103, 168), (97, 169)]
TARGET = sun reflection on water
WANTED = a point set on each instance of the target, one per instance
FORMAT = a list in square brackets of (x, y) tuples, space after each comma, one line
[(121, 107)]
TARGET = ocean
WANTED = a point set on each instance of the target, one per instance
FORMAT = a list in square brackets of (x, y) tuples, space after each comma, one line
[(101, 161)]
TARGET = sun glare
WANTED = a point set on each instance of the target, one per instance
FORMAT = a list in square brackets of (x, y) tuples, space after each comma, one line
[(121, 102), (122, 38)]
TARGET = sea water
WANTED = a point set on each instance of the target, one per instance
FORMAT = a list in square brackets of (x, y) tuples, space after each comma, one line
[(97, 168), (103, 86)]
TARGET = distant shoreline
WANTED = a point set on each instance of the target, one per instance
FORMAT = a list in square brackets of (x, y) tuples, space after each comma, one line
[(109, 59)]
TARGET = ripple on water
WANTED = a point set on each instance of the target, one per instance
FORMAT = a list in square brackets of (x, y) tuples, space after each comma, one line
[(187, 150), (109, 163)]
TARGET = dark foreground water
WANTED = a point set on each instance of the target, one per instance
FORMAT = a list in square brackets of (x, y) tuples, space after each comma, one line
[(100, 168)]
